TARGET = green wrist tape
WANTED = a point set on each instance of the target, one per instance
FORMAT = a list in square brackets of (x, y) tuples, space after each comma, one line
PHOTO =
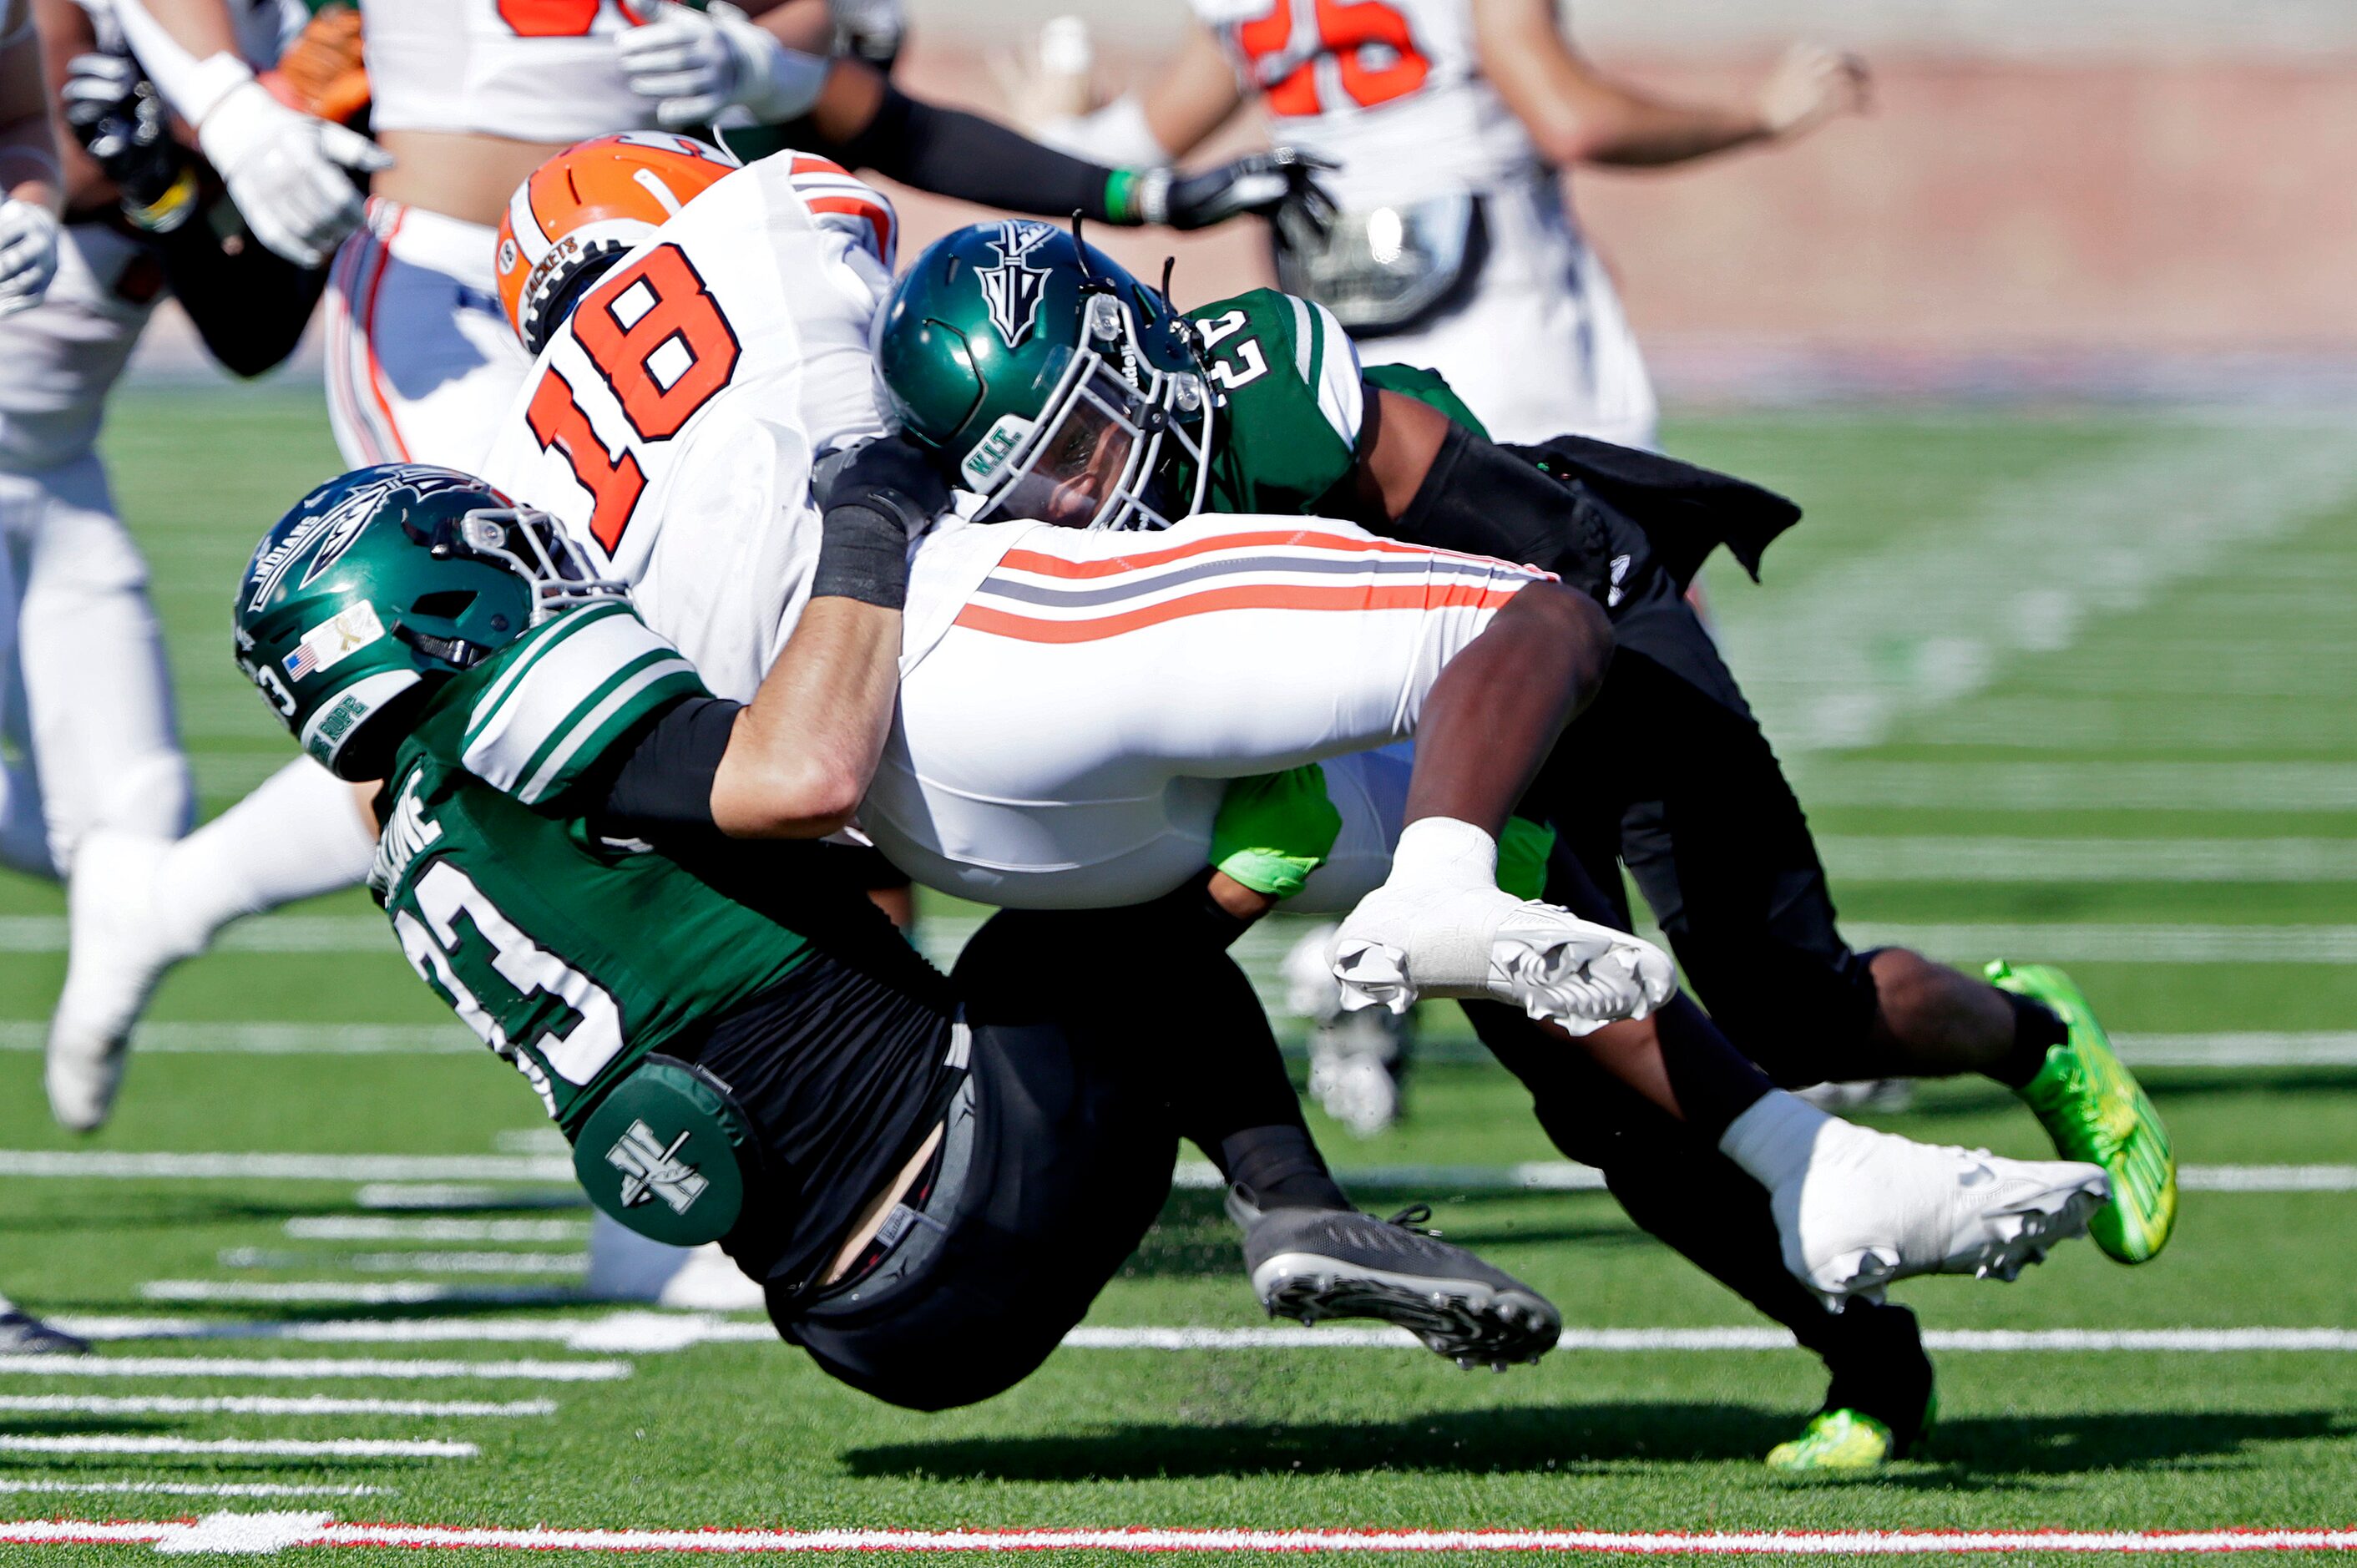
[(1523, 851), (1122, 205), (1275, 829)]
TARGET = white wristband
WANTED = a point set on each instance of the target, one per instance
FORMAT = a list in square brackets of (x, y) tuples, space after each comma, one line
[(212, 80)]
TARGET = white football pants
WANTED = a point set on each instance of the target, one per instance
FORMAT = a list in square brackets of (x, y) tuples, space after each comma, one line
[(421, 361), (88, 698), (1067, 741)]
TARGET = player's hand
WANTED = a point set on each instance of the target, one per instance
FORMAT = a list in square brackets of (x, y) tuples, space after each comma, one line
[(1055, 81), (289, 174), (1258, 185), (1809, 86), (695, 64), (29, 253), (872, 29), (893, 478), (114, 114)]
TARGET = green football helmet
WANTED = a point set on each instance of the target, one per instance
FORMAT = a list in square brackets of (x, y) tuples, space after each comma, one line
[(380, 586), (1047, 380)]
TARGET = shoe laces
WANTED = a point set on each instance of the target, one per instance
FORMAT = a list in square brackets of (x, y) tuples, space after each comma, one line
[(1412, 1218)]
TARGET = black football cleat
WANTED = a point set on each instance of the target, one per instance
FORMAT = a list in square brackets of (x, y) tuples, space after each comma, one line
[(22, 1334), (1314, 1263)]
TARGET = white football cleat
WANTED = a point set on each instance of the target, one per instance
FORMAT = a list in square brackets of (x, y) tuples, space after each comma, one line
[(1400, 943), (1872, 1208), (117, 950)]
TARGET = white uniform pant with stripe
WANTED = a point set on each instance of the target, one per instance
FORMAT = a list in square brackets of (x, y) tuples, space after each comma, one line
[(1067, 741), (1540, 348), (421, 363), (88, 701)]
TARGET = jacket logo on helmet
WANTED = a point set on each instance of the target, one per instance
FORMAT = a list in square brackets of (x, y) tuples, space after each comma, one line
[(650, 1170), (1013, 288)]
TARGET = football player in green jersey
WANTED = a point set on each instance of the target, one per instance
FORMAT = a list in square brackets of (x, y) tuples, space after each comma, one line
[(932, 1178), (1257, 403)]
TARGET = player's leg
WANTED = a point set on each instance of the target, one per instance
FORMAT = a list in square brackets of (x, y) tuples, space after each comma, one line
[(24, 825), (105, 737), (1682, 1190), (421, 363), (1216, 1066), (1735, 880), (141, 905)]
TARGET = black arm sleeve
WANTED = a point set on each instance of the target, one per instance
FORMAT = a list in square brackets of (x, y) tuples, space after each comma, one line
[(1480, 499), (664, 785), (951, 153), (250, 305)]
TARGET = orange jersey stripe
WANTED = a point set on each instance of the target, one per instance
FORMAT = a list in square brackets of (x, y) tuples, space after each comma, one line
[(1254, 596), (810, 163), (1057, 566), (880, 219)]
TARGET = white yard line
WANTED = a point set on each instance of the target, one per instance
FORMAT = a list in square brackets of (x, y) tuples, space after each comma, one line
[(654, 1333), (2118, 942), (1858, 858), (2250, 1049), (288, 1447), (261, 1404), (263, 933), (2230, 787), (270, 1039), (192, 1489), (411, 1263), (290, 1367), (448, 1195), (373, 1227), (614, 1332), (350, 1293), (263, 1533), (102, 1165), (1566, 1176), (1852, 648)]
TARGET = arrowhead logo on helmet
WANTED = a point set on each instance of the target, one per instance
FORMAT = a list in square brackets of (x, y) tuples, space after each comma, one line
[(1014, 289)]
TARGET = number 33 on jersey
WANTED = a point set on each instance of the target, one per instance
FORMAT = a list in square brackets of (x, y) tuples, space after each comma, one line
[(763, 285)]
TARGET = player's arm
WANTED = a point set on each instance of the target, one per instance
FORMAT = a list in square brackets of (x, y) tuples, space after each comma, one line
[(1577, 114), (1195, 95), (699, 64), (30, 178), (66, 32), (289, 173)]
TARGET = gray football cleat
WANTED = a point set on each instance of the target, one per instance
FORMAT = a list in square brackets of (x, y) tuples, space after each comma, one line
[(1314, 1263), (22, 1334)]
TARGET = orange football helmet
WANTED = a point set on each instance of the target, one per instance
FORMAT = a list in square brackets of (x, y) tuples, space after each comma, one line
[(582, 209)]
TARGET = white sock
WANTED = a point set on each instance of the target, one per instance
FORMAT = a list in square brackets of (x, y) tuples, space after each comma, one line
[(1442, 852), (1775, 1139), (299, 835)]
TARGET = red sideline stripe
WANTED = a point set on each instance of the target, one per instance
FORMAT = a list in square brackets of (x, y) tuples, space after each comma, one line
[(1263, 597), (1838, 1543), (1042, 565)]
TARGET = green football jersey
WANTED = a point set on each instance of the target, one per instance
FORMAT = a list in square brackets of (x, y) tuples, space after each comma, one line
[(570, 954), (1293, 400)]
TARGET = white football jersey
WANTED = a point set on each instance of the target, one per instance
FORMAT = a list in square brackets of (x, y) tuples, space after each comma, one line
[(673, 420), (59, 358), (533, 70), (1390, 91)]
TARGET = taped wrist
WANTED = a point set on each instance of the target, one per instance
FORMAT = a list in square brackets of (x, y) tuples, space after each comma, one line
[(863, 554)]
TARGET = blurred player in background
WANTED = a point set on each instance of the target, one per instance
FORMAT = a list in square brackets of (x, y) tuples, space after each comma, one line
[(29, 193), (1449, 123)]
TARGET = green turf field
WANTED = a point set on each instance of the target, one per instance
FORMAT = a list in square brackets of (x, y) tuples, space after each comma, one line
[(2073, 687)]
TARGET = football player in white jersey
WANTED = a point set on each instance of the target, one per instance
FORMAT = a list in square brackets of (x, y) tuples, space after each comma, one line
[(1449, 122), (29, 204), (1073, 703)]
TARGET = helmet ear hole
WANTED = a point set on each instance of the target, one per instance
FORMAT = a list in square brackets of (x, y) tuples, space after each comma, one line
[(446, 604)]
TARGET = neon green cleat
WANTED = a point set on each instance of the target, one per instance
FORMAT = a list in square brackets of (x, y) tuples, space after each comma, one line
[(2094, 1109), (1841, 1442)]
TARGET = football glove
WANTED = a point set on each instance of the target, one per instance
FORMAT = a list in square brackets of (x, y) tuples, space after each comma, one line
[(114, 114), (29, 253), (696, 64), (1259, 184), (289, 174), (1276, 828)]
